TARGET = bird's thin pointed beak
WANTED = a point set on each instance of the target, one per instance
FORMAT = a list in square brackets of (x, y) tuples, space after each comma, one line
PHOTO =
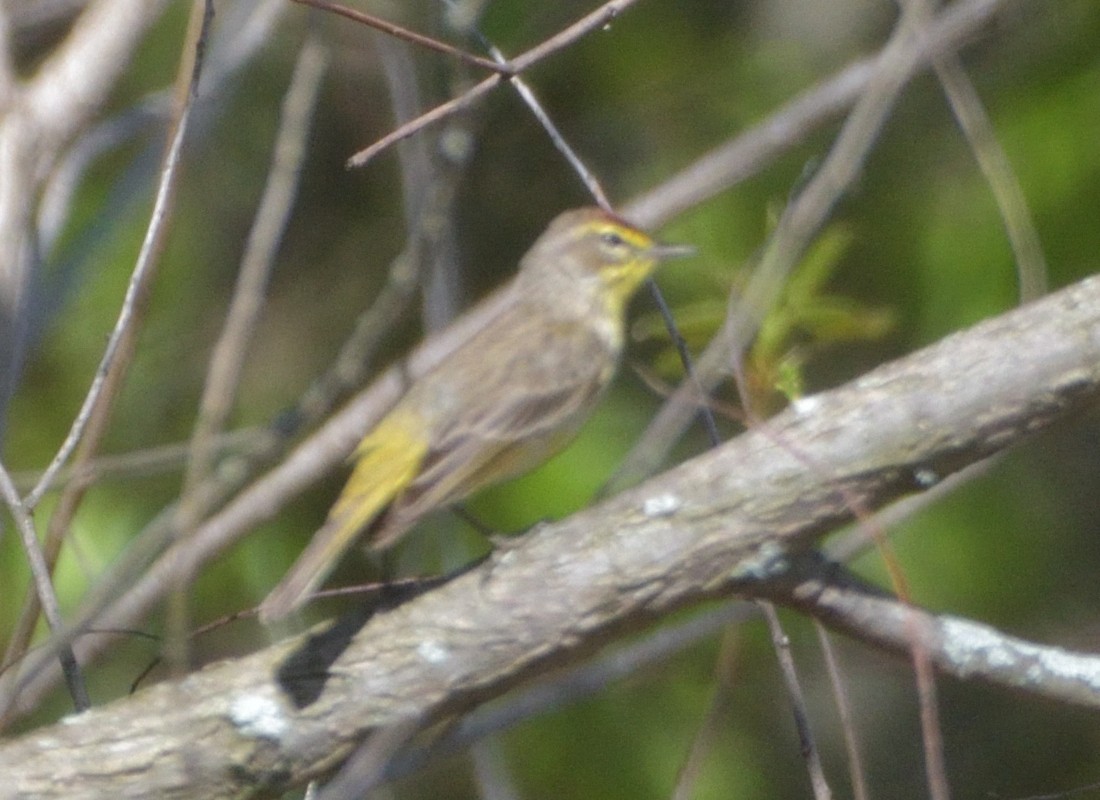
[(665, 252)]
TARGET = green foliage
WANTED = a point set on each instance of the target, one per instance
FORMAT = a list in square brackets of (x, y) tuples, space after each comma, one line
[(806, 321)]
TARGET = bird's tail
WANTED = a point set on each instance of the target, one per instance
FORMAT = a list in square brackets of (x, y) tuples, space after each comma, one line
[(388, 459)]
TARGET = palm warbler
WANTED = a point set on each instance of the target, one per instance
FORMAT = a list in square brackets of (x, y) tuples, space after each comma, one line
[(505, 401)]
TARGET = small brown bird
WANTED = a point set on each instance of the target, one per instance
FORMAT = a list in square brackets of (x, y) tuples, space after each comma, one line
[(506, 400)]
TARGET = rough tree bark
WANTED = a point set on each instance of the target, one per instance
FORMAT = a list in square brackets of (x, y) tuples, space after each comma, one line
[(732, 521)]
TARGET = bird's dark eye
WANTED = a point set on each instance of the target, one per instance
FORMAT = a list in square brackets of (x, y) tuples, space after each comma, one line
[(612, 239)]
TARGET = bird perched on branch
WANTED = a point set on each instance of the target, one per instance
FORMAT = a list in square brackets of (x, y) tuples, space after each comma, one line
[(507, 399)]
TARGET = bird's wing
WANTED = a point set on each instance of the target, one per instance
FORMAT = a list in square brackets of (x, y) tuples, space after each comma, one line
[(501, 434)]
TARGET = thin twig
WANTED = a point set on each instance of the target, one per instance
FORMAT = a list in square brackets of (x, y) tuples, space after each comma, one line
[(705, 407), (844, 709), (590, 22), (527, 94), (442, 111), (40, 574), (1031, 266), (227, 362), (111, 364), (428, 177), (935, 760), (687, 779), (846, 546), (399, 32), (142, 463), (935, 765), (781, 645), (228, 358), (966, 104)]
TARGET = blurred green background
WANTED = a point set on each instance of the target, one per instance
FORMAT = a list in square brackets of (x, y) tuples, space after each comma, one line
[(917, 251)]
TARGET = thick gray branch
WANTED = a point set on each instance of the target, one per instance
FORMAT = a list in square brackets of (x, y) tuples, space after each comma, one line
[(728, 520), (959, 647)]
